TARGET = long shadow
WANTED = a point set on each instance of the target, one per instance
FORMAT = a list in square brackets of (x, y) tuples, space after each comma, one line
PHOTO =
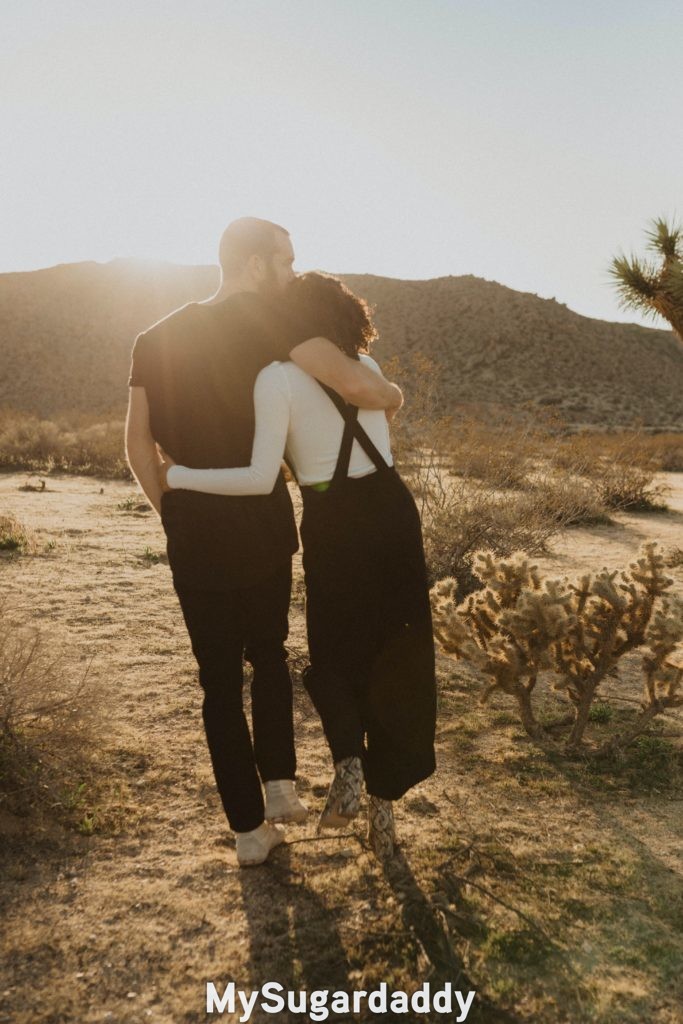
[(293, 936), (420, 919), (294, 939)]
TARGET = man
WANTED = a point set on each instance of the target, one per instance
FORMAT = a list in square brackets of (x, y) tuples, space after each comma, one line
[(191, 392)]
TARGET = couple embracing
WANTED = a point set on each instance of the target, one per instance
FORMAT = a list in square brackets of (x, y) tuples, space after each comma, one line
[(275, 365)]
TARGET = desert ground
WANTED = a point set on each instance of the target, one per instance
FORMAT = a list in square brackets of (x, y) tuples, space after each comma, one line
[(552, 890)]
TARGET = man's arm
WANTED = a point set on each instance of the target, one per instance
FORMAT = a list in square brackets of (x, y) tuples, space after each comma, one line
[(141, 450), (356, 383)]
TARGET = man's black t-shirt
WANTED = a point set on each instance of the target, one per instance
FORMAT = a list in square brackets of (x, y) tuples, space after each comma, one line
[(198, 368)]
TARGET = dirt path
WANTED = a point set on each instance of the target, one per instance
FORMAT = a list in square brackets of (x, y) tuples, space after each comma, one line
[(129, 927)]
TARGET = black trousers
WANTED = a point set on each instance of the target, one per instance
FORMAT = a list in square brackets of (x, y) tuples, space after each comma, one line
[(371, 674), (226, 627)]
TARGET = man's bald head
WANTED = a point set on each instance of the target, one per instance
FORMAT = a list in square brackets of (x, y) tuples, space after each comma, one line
[(247, 237)]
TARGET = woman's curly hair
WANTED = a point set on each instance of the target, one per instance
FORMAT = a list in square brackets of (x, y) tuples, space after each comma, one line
[(331, 310)]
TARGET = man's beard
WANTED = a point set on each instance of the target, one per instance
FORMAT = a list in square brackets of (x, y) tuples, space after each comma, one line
[(269, 287)]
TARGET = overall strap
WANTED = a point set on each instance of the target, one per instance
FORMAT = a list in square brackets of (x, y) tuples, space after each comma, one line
[(341, 470), (352, 430)]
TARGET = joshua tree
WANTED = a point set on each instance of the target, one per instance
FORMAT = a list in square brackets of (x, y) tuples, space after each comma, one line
[(655, 287)]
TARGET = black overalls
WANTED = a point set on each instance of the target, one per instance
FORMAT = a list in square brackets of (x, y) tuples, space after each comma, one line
[(371, 674)]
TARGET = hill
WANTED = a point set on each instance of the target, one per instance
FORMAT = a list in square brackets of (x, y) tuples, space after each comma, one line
[(67, 333)]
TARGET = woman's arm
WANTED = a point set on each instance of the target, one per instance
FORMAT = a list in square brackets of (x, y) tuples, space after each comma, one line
[(320, 358), (271, 409)]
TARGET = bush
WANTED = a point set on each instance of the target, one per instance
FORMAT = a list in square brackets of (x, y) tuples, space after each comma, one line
[(566, 500), (501, 455), (69, 445), (459, 516), (15, 538), (47, 717), (666, 452), (521, 625), (623, 486), (623, 465)]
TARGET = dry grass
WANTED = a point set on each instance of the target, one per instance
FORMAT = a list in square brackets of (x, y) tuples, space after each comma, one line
[(660, 452), (15, 537), (70, 444), (551, 886), (511, 483), (50, 721), (621, 467)]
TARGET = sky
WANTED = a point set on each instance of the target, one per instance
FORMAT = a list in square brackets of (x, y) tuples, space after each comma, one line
[(523, 141)]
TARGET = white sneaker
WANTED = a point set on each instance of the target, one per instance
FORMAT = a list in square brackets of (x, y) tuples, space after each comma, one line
[(253, 847), (282, 803)]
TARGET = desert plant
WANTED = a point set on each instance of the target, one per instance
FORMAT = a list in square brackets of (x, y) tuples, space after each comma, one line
[(34, 485), (565, 500), (655, 288), (501, 455), (623, 486), (521, 625), (67, 445), (14, 536), (133, 503), (47, 712), (467, 480), (461, 515), (674, 557), (152, 557), (666, 452), (618, 470)]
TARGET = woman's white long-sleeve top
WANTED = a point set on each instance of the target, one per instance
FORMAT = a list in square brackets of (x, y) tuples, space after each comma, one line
[(292, 412)]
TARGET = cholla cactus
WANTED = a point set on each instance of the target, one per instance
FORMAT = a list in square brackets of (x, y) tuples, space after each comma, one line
[(612, 613), (520, 625), (505, 630)]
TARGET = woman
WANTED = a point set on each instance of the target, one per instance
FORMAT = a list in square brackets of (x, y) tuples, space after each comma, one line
[(371, 673)]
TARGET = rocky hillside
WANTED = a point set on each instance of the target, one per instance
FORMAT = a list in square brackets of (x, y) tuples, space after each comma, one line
[(66, 334)]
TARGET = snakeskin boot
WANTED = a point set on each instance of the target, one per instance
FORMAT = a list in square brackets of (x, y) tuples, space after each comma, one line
[(381, 833), (343, 798)]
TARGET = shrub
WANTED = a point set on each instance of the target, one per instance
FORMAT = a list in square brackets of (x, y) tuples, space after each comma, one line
[(501, 455), (629, 488), (620, 468), (15, 538), (68, 445), (521, 625), (133, 503), (666, 452), (674, 557), (47, 716), (566, 500), (460, 516)]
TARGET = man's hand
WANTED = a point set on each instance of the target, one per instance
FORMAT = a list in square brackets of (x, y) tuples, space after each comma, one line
[(163, 468), (143, 456)]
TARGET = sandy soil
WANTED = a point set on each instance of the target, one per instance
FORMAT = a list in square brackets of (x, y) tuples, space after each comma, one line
[(127, 927)]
